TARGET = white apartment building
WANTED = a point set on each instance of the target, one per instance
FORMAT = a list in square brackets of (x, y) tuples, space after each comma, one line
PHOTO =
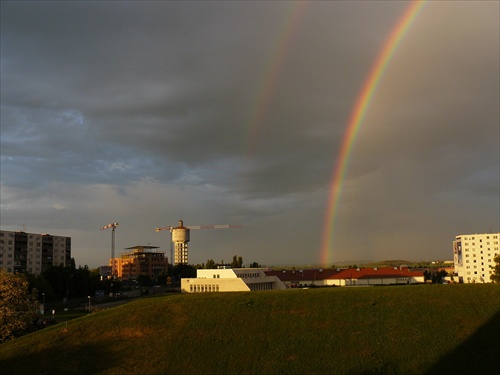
[(32, 252), (231, 280), (473, 256)]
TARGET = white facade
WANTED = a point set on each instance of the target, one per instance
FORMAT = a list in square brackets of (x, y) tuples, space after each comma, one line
[(32, 252), (473, 256), (231, 280)]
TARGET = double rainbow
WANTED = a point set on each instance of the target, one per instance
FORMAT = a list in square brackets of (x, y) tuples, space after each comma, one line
[(354, 125), (267, 84)]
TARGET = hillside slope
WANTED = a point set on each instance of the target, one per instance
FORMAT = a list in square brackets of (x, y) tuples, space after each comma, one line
[(373, 330)]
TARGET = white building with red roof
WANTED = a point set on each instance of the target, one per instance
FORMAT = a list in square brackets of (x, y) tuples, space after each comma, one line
[(349, 276)]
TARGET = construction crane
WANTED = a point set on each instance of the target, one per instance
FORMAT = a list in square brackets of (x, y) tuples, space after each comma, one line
[(179, 237), (113, 226)]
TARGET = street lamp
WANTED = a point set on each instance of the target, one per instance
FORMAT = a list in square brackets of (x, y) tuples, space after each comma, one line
[(43, 303), (89, 302), (70, 278)]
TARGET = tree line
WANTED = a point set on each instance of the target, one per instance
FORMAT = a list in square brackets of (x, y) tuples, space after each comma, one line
[(69, 282), (237, 262)]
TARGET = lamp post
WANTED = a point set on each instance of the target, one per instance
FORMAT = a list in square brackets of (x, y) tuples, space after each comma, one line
[(89, 303), (43, 303), (70, 278)]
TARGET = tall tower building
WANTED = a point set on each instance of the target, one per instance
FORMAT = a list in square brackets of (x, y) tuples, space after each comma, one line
[(180, 238), (34, 253), (473, 256)]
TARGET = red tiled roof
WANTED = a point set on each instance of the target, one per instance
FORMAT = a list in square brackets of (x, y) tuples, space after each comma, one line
[(344, 273), (377, 272), (298, 275)]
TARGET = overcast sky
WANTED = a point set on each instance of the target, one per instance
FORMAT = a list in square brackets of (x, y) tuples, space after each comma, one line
[(144, 113)]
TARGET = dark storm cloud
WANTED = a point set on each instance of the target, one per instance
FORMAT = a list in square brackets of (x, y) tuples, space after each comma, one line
[(146, 112)]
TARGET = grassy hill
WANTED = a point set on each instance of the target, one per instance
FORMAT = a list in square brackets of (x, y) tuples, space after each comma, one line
[(426, 329)]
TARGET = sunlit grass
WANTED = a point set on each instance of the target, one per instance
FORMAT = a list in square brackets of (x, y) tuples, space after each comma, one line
[(398, 330)]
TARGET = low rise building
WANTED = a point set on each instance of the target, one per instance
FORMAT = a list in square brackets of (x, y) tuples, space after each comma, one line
[(348, 276), (473, 256), (22, 252), (105, 271), (226, 279), (141, 260)]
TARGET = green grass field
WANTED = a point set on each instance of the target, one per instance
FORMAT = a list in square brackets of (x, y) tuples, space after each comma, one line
[(424, 329)]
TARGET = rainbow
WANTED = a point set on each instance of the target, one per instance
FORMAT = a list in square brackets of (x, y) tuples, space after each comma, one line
[(355, 121), (269, 79)]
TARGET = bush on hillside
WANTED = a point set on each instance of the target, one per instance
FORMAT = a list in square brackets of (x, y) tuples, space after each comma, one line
[(18, 307)]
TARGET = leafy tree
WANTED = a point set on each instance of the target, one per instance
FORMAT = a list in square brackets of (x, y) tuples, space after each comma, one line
[(495, 277), (58, 278), (210, 264), (427, 275), (441, 275), (69, 282), (437, 276), (40, 283), (144, 280), (237, 262), (162, 278), (255, 265), (183, 271), (18, 307)]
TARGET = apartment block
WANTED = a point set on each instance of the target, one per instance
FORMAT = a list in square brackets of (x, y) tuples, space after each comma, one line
[(22, 252), (139, 260), (473, 256)]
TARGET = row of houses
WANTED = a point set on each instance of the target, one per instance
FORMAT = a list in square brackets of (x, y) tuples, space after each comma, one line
[(227, 279)]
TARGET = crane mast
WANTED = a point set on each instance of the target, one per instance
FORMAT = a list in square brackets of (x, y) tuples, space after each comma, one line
[(113, 227)]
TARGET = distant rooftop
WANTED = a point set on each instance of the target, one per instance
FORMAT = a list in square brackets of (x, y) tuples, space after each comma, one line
[(141, 247)]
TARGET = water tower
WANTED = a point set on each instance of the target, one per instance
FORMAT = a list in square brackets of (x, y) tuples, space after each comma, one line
[(180, 238)]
